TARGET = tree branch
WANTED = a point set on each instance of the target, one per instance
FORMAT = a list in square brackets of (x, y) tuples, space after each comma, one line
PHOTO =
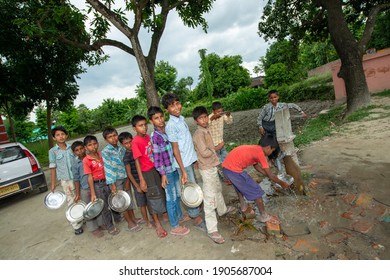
[(96, 46), (369, 28)]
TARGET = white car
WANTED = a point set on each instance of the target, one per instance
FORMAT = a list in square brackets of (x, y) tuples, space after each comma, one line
[(19, 170)]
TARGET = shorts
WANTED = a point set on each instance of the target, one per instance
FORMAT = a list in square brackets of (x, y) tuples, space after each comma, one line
[(140, 198), (244, 184), (155, 194)]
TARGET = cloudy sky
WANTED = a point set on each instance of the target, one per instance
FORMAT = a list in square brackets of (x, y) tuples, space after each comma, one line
[(232, 31)]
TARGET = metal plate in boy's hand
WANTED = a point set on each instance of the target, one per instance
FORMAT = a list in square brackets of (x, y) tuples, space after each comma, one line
[(54, 200)]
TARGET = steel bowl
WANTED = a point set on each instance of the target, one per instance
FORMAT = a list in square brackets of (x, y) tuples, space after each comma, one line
[(119, 201), (75, 212), (93, 209), (54, 200), (191, 195)]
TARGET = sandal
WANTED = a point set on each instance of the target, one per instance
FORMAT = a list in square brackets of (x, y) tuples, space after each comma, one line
[(135, 228), (249, 213), (140, 221), (180, 230), (184, 219), (97, 233), (78, 231), (216, 237), (267, 218), (161, 233), (113, 231)]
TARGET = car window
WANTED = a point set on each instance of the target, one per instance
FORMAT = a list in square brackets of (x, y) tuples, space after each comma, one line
[(11, 154)]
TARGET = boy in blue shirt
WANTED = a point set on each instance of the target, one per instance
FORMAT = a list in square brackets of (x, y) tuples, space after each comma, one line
[(183, 149), (60, 164), (115, 172)]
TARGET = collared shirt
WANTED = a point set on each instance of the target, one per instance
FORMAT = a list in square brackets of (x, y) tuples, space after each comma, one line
[(178, 132), (204, 146), (94, 166), (216, 127), (164, 159), (78, 173), (114, 168), (267, 113), (61, 160), (143, 150)]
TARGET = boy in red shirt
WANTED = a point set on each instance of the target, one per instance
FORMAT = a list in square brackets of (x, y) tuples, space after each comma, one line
[(94, 168), (150, 180), (234, 169)]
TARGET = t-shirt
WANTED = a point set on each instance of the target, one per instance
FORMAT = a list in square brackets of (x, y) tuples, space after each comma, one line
[(243, 156), (143, 149), (128, 159), (94, 167)]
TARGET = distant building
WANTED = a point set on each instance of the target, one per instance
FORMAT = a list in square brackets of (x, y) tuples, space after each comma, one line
[(257, 82)]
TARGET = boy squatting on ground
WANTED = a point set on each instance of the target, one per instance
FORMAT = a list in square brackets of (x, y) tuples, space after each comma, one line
[(115, 172), (216, 122), (94, 168), (208, 162), (163, 162), (234, 169), (183, 149), (150, 181), (125, 138), (60, 164), (82, 188)]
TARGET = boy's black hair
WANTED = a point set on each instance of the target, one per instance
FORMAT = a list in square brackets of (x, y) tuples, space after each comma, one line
[(154, 110), (108, 130), (216, 105), (272, 91), (124, 135), (136, 119), (168, 99), (60, 128), (75, 144), (198, 111), (89, 138), (268, 140)]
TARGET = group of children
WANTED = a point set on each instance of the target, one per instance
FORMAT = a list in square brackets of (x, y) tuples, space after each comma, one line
[(156, 166)]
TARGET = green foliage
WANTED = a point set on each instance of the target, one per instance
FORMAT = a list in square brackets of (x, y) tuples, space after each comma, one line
[(380, 38), (284, 51), (315, 54), (276, 75), (40, 149), (383, 93), (314, 88), (360, 114)]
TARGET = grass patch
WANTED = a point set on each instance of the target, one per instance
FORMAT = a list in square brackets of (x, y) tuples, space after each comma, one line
[(322, 126), (360, 114), (385, 93), (41, 150)]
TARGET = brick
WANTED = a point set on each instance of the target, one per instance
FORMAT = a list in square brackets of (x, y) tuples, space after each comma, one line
[(376, 212), (336, 237), (353, 213), (323, 224), (364, 200), (273, 229), (348, 215), (349, 198), (363, 226), (306, 245)]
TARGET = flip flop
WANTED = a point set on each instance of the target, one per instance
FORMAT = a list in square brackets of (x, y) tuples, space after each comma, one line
[(140, 221), (135, 228), (161, 233), (78, 231), (180, 230), (230, 210), (184, 219), (201, 226), (113, 231), (97, 233), (216, 237), (267, 218)]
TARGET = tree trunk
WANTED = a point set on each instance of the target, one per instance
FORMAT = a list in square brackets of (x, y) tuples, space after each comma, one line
[(50, 140), (351, 56), (147, 74)]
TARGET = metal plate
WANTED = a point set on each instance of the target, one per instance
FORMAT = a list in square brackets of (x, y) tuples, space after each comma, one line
[(191, 195), (93, 209), (54, 200), (75, 212), (119, 201)]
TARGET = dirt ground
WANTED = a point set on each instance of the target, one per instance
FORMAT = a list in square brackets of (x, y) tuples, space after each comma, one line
[(343, 216)]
